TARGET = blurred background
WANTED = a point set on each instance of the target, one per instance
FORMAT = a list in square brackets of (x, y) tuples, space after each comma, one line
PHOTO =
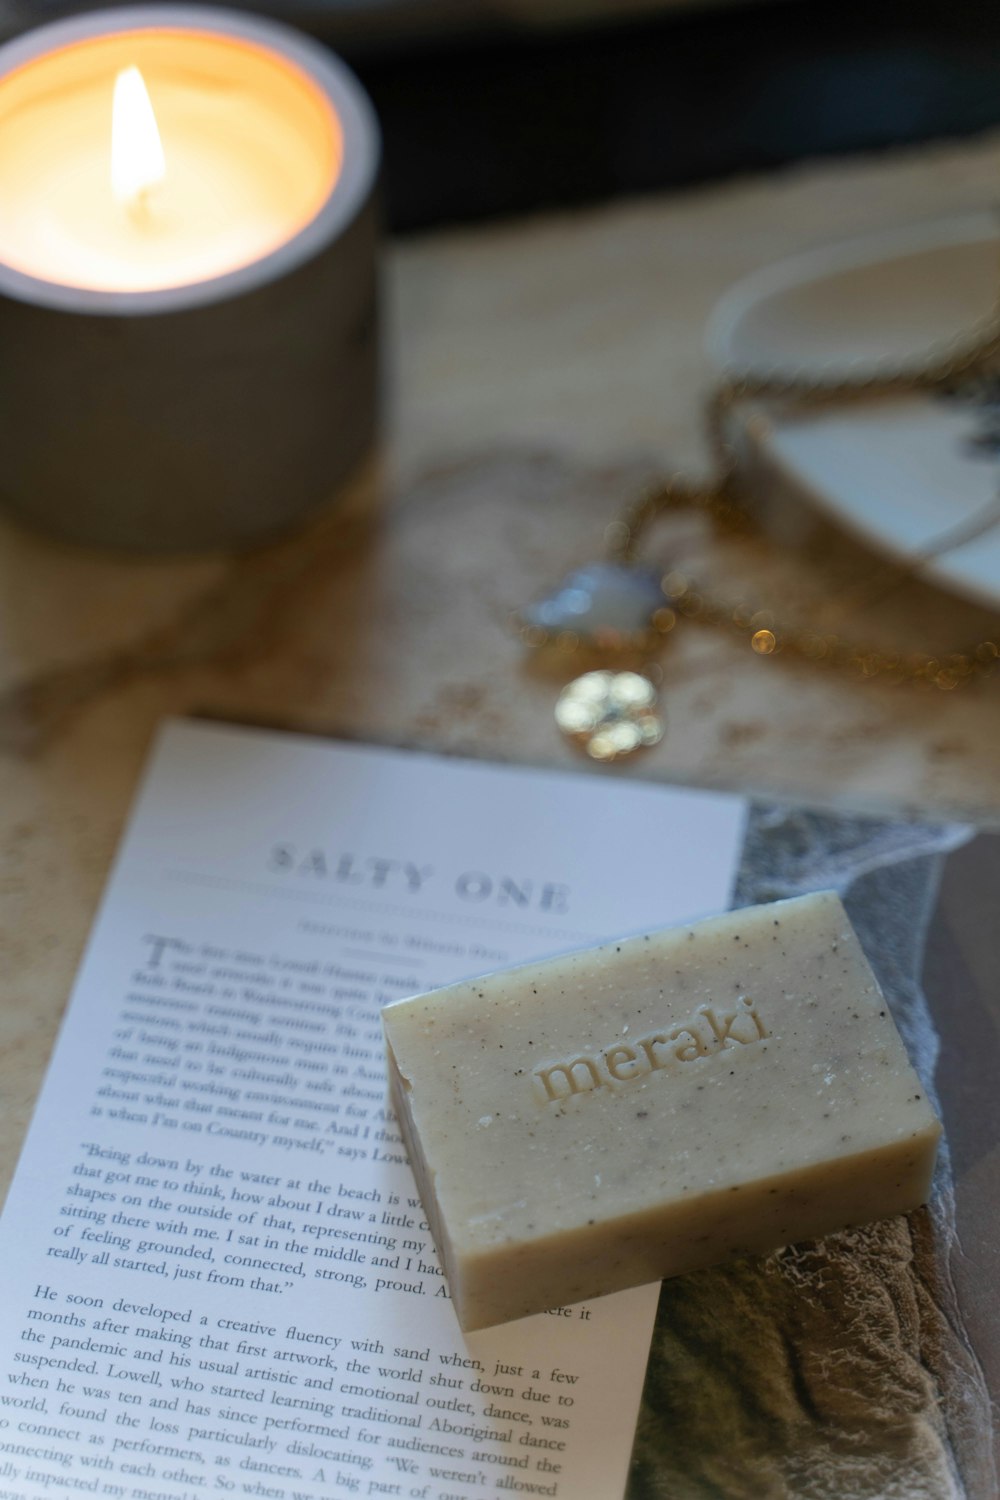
[(500, 107)]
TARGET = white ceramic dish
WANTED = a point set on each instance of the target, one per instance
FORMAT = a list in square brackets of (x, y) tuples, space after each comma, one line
[(905, 474)]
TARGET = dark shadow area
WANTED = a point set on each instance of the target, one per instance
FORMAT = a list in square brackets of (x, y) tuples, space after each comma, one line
[(960, 976), (481, 127)]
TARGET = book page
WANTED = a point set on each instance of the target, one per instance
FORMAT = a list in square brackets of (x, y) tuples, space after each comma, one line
[(218, 1278)]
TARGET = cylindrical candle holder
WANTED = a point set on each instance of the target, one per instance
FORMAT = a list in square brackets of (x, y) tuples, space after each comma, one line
[(182, 386)]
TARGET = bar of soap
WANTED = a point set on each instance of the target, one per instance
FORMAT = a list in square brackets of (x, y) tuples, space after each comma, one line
[(649, 1107)]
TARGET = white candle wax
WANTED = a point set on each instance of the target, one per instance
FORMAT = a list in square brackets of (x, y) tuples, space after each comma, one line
[(252, 148)]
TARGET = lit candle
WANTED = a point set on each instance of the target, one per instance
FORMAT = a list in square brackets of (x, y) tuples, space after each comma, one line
[(154, 162)]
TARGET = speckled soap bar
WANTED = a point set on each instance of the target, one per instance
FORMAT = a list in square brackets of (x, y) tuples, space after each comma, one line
[(656, 1105)]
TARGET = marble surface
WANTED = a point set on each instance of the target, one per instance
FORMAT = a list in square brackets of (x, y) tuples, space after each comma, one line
[(537, 373)]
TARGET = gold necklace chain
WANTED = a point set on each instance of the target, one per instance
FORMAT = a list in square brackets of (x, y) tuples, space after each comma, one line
[(717, 497)]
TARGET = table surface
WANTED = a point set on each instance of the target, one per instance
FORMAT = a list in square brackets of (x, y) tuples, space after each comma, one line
[(537, 372)]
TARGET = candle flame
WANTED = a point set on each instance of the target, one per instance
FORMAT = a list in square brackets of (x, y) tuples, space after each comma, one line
[(137, 162)]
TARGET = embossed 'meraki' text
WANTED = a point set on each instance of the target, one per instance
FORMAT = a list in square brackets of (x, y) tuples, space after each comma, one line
[(710, 1030)]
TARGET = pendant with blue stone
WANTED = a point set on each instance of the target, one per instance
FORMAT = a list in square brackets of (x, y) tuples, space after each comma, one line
[(607, 605)]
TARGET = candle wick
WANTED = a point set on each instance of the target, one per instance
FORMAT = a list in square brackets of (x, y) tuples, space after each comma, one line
[(139, 209)]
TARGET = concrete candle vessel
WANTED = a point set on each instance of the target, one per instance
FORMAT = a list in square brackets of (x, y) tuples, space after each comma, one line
[(196, 367)]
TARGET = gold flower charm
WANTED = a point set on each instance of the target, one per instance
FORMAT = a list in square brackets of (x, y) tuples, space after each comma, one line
[(609, 714)]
